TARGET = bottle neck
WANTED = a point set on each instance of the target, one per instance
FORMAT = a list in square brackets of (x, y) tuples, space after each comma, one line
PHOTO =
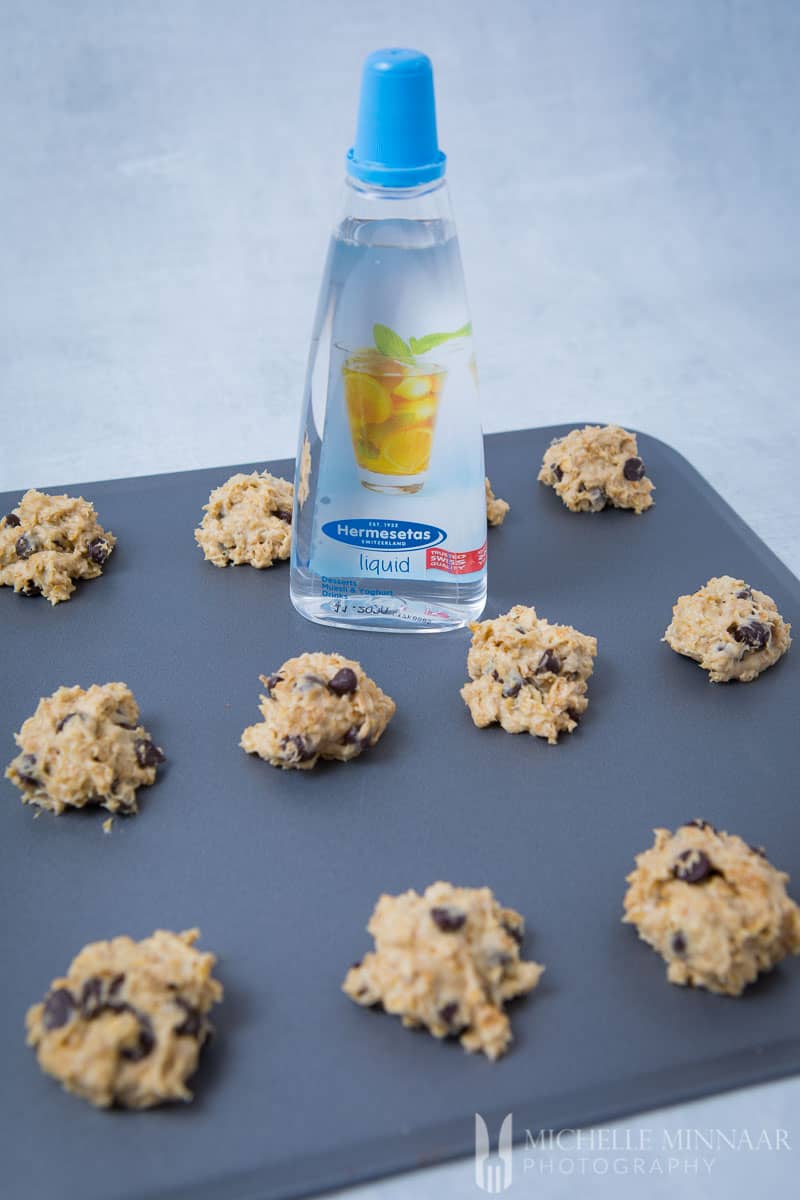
[(368, 202)]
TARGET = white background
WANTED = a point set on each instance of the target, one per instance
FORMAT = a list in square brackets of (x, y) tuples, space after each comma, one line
[(627, 186)]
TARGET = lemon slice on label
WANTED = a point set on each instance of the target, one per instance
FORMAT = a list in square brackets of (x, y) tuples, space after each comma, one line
[(368, 400), (408, 450)]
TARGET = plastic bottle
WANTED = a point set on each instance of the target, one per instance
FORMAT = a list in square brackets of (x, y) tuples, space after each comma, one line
[(389, 521)]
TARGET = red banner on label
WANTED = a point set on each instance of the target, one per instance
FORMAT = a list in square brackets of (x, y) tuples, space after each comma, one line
[(455, 562)]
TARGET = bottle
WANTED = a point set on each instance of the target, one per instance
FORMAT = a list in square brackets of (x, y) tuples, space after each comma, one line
[(389, 523)]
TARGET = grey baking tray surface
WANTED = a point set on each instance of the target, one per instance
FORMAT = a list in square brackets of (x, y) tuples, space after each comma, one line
[(301, 1090)]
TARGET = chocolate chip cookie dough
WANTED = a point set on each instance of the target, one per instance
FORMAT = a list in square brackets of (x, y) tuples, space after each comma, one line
[(496, 509), (730, 628), (304, 474), (317, 706), (47, 542), (126, 1024), (596, 466), (528, 675), (84, 747), (713, 907), (248, 520), (447, 960)]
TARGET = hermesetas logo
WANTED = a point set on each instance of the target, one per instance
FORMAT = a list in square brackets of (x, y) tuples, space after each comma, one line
[(374, 533)]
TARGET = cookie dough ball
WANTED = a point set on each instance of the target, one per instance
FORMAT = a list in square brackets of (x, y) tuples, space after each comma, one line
[(496, 509), (304, 472), (732, 630), (248, 520), (596, 466), (126, 1024), (317, 706), (85, 747), (528, 675), (713, 907), (47, 542), (447, 960)]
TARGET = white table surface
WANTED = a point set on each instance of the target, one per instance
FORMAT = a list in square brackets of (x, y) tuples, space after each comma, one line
[(627, 183)]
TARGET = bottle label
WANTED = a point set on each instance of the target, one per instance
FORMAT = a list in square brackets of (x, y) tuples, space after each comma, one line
[(399, 492)]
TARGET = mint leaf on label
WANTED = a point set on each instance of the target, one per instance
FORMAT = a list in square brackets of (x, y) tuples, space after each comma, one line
[(390, 343), (431, 340)]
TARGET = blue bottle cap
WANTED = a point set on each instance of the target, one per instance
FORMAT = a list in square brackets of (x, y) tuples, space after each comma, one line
[(396, 144)]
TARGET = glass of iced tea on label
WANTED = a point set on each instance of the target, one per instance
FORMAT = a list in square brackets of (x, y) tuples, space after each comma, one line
[(391, 409)]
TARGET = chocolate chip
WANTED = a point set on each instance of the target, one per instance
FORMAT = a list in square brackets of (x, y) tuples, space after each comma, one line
[(497, 678), (515, 932), (145, 1042), (693, 866), (549, 662), (449, 1012), (148, 754), (512, 691), (344, 682), (558, 474), (25, 546), (58, 1008), (449, 920), (754, 634), (352, 737), (98, 551), (92, 997), (678, 943), (25, 765), (354, 966), (12, 521), (283, 514), (193, 1023), (759, 850), (305, 750), (272, 681), (115, 984), (64, 721), (633, 469), (30, 589), (699, 823), (745, 594)]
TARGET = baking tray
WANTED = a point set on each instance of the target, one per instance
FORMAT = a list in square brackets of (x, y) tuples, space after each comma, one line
[(301, 1090)]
